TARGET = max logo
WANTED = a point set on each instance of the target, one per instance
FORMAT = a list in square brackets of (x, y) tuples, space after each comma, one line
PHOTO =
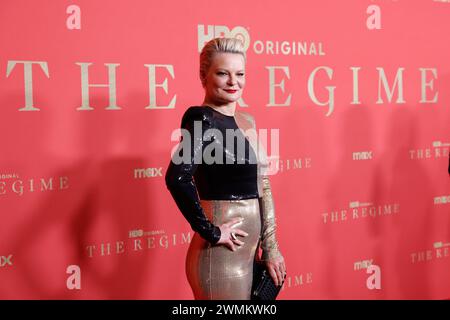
[(374, 281), (5, 260)]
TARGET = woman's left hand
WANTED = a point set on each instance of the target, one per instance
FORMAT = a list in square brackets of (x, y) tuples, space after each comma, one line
[(277, 269)]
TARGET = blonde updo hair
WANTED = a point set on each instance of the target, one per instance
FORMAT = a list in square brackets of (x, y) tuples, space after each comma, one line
[(217, 45)]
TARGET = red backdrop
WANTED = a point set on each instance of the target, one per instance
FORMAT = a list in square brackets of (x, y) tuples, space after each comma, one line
[(359, 93)]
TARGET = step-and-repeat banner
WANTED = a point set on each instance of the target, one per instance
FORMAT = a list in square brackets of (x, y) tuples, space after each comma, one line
[(92, 91)]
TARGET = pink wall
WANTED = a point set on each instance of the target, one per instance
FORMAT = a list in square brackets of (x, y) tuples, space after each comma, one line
[(362, 178)]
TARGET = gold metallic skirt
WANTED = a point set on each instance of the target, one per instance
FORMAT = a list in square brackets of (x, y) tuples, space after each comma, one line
[(215, 272)]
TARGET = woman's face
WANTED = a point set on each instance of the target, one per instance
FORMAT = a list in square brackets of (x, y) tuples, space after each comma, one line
[(225, 80)]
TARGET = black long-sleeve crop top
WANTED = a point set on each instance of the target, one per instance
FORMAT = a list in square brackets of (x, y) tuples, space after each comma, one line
[(214, 169)]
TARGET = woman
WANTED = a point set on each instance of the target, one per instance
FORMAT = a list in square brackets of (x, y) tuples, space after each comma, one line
[(221, 190)]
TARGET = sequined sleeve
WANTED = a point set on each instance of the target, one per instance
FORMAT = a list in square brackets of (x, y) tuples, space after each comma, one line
[(269, 243), (179, 175)]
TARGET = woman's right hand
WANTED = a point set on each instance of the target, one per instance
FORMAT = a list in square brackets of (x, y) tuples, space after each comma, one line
[(227, 230)]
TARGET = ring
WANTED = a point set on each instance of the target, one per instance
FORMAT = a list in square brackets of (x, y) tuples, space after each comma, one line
[(233, 236)]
